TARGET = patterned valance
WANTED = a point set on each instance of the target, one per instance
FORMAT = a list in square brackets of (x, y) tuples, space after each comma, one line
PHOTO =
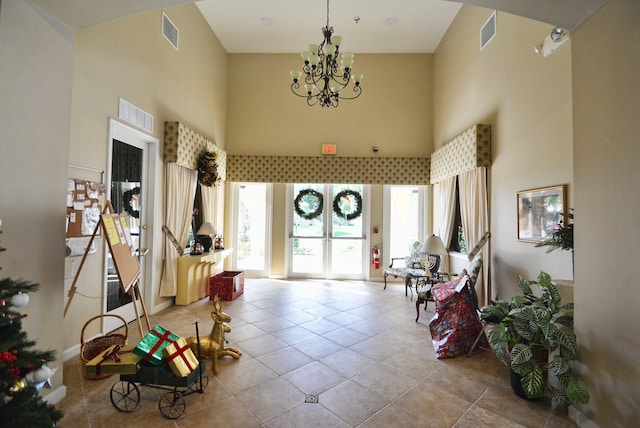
[(183, 145), (467, 151), (328, 169)]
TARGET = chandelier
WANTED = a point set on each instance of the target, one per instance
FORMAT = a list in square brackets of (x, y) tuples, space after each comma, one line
[(326, 80)]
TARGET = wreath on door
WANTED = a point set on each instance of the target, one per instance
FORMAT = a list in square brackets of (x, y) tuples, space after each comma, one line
[(348, 204), (308, 204), (208, 169), (127, 197)]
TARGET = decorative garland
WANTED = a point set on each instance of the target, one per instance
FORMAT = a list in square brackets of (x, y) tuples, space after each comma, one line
[(313, 202), (208, 169), (348, 204), (127, 197)]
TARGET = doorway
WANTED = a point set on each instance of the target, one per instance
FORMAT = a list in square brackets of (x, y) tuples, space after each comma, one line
[(327, 224), (251, 231), (130, 177), (405, 219)]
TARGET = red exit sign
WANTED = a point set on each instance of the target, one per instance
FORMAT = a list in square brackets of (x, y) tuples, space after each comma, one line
[(328, 149)]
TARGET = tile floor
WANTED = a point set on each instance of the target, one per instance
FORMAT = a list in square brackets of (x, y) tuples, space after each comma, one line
[(353, 345)]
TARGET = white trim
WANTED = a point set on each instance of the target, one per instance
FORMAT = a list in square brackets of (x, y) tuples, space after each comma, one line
[(56, 395)]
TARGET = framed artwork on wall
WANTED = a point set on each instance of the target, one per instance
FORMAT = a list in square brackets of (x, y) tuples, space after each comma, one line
[(540, 211)]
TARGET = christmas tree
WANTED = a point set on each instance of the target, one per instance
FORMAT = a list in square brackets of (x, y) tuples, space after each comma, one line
[(23, 369)]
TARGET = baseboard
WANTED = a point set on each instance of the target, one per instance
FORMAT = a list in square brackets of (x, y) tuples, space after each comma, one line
[(70, 353), (581, 419), (56, 395)]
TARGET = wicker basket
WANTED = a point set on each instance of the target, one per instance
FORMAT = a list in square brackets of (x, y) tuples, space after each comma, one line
[(91, 349)]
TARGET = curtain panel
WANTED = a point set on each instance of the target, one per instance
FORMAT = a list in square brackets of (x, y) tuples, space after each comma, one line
[(182, 148), (475, 222), (181, 190)]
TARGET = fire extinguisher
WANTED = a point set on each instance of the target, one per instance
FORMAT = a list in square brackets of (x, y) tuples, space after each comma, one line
[(375, 257)]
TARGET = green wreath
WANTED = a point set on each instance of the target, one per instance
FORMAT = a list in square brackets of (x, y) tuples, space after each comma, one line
[(309, 203), (127, 197), (348, 204), (208, 169)]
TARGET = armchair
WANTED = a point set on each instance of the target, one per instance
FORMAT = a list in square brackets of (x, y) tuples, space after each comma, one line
[(411, 269)]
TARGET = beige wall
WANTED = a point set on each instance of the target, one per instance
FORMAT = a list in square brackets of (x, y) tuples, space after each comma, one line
[(35, 82), (606, 101), (527, 101), (394, 111), (130, 58)]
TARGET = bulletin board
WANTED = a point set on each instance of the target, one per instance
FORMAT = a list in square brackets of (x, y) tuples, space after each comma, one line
[(85, 200), (122, 250)]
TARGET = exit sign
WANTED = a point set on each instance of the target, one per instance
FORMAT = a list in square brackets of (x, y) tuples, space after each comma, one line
[(328, 149)]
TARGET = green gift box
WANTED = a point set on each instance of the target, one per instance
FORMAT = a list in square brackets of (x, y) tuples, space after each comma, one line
[(151, 346)]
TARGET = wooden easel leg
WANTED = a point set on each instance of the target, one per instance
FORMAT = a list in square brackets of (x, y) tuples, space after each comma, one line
[(135, 308), (144, 308)]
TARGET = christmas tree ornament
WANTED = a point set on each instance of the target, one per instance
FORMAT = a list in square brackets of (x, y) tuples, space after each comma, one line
[(19, 300), (18, 386), (42, 374)]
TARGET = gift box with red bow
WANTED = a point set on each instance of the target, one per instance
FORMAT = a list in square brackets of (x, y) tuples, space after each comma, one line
[(151, 346), (180, 358)]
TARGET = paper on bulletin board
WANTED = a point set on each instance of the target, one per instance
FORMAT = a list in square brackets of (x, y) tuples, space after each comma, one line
[(84, 201)]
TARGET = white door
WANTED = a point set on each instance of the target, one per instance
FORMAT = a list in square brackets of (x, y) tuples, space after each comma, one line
[(251, 203), (327, 224), (129, 179)]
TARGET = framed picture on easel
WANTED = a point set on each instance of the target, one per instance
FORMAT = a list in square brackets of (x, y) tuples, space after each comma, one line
[(540, 211)]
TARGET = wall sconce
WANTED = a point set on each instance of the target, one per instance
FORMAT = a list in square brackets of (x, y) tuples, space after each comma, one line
[(552, 42)]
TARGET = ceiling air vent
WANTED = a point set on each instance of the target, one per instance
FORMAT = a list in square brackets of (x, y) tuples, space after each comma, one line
[(488, 31), (169, 31)]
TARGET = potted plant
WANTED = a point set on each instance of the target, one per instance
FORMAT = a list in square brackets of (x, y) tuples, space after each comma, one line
[(534, 337)]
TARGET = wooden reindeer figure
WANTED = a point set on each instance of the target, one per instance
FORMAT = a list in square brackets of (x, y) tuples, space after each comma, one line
[(213, 345)]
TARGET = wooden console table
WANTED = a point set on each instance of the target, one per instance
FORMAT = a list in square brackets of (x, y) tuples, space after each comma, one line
[(194, 273)]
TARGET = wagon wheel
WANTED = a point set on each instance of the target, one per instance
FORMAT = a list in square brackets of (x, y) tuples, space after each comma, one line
[(172, 405), (125, 396), (200, 387)]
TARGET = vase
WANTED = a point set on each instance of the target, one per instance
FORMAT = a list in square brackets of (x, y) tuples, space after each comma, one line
[(516, 385)]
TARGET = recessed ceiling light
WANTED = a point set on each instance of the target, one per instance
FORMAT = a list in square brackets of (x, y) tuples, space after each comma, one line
[(266, 21), (392, 20)]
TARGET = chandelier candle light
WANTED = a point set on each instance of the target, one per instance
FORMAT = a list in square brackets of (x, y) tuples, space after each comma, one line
[(324, 78)]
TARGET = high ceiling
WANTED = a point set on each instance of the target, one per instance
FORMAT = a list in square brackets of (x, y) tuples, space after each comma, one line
[(384, 26)]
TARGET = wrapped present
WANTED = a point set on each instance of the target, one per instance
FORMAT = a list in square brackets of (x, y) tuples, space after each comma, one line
[(227, 285), (151, 346), (180, 358), (113, 360)]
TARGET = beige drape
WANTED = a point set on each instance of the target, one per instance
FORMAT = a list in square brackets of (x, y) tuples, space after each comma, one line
[(446, 196), (180, 192), (474, 215)]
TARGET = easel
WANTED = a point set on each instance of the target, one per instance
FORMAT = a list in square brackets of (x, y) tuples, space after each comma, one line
[(118, 238)]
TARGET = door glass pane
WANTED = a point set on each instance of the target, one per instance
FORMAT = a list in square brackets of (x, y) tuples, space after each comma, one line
[(404, 219), (346, 256), (308, 255), (308, 228), (126, 185), (252, 203), (308, 213), (347, 202)]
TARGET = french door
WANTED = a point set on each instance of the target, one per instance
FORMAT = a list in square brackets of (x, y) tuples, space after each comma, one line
[(327, 224), (129, 178)]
